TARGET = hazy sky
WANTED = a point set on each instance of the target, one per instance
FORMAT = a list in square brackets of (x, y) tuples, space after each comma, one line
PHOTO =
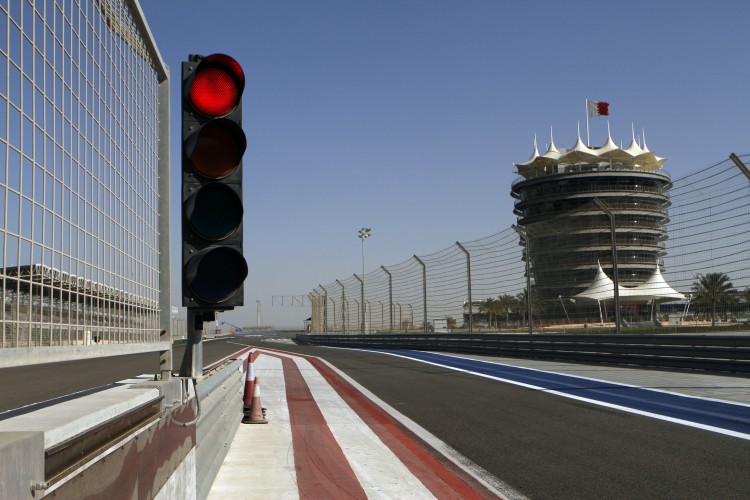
[(407, 116)]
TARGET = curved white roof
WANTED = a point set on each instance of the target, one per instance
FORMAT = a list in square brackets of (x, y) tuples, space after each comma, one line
[(601, 288), (580, 153), (607, 154), (534, 156), (552, 153), (654, 288)]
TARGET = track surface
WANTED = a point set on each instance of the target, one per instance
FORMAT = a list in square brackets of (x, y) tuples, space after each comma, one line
[(543, 445)]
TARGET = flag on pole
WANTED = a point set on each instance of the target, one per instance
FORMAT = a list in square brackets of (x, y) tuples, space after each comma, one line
[(598, 108)]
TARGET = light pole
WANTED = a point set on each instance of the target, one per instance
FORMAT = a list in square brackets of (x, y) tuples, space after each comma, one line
[(257, 305), (364, 233)]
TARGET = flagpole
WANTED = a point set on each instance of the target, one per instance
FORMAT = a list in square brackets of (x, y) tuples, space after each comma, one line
[(587, 123)]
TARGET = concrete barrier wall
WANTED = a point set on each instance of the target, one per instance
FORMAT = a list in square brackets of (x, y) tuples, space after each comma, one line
[(141, 439), (23, 356)]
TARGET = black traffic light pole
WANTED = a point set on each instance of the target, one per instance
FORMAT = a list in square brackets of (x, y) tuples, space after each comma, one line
[(192, 360)]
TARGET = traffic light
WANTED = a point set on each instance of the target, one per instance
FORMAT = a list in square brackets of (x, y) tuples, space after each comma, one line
[(213, 143)]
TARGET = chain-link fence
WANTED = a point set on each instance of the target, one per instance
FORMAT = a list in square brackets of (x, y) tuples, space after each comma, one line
[(681, 260)]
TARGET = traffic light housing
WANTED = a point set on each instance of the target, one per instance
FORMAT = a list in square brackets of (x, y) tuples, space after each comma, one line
[(213, 265)]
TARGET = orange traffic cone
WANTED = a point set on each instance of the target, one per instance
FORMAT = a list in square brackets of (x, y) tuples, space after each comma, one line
[(256, 415), (249, 381)]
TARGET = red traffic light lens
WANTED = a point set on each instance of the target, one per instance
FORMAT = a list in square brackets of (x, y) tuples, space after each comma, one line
[(217, 85)]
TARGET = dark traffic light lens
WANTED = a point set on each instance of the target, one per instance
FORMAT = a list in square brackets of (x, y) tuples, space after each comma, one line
[(216, 275), (216, 149), (217, 85), (215, 212)]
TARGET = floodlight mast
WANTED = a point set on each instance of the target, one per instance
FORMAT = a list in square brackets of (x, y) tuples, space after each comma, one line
[(364, 233)]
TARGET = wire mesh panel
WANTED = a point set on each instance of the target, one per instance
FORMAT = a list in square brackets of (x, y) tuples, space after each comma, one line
[(79, 142), (709, 236)]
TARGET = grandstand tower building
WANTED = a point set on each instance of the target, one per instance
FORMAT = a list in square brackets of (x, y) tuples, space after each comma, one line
[(569, 234)]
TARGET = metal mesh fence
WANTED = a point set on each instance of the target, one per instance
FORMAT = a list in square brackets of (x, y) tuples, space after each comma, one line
[(682, 261), (79, 139)]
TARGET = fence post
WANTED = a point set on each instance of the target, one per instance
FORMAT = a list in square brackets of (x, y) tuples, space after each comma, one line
[(424, 293), (316, 316), (368, 308), (525, 237), (390, 295), (164, 166), (325, 309), (468, 284), (334, 314), (740, 165), (613, 234), (362, 304), (343, 306), (382, 313), (311, 297), (400, 321), (357, 323)]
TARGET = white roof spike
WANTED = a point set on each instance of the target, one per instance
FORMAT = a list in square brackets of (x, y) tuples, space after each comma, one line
[(534, 154), (634, 149), (579, 131), (607, 148), (579, 153), (552, 151), (609, 133), (645, 148)]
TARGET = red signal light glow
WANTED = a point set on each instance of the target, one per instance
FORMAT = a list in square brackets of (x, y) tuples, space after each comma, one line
[(217, 85)]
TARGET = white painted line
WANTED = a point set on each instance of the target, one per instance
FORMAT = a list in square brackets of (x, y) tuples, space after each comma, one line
[(688, 423), (591, 379)]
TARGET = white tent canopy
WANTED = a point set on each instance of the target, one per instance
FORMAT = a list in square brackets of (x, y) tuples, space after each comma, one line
[(654, 288)]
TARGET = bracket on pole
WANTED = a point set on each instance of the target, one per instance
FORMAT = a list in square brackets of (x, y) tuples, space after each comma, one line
[(192, 360)]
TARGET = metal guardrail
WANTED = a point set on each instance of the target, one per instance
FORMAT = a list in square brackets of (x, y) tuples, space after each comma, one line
[(728, 353), (220, 395)]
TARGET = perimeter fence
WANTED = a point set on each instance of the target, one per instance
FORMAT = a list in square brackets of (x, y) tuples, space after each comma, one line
[(702, 273)]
